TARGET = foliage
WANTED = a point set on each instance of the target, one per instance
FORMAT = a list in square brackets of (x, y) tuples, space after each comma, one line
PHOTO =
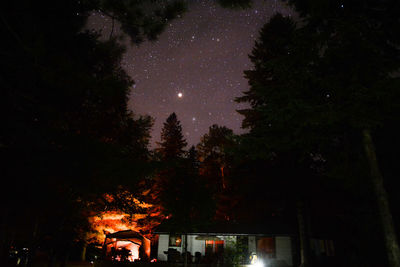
[(181, 194), (315, 87), (118, 211), (216, 160), (234, 254), (140, 19), (214, 148), (68, 135), (216, 141), (235, 4), (306, 81), (172, 142)]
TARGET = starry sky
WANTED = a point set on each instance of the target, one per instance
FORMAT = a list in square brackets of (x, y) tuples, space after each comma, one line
[(195, 68)]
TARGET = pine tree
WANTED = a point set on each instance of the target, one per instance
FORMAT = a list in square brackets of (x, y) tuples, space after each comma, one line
[(65, 118), (214, 156), (330, 78), (172, 141), (235, 4)]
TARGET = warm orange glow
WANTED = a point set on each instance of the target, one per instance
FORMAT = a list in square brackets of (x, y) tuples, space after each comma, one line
[(131, 247), (109, 222), (112, 221)]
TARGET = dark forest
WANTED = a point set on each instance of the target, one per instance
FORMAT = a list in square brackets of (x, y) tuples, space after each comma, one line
[(315, 163)]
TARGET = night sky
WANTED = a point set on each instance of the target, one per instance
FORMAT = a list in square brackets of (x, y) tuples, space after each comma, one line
[(195, 69)]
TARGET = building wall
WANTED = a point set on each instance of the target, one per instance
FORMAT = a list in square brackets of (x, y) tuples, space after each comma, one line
[(283, 246), (252, 244), (195, 245), (162, 246)]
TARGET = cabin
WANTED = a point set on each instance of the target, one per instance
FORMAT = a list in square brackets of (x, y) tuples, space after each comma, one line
[(272, 244)]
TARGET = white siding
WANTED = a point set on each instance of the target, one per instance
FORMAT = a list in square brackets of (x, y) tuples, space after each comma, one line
[(180, 249), (284, 249), (195, 245), (163, 240), (282, 243), (252, 244)]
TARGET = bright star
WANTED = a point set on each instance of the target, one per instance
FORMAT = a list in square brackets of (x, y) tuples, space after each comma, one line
[(180, 95)]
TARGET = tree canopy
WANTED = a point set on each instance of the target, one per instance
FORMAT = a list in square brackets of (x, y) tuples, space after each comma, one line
[(325, 85), (67, 134), (172, 141)]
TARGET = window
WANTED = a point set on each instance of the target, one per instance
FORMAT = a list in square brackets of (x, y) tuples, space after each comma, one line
[(175, 240), (266, 247), (219, 246), (214, 246), (209, 247)]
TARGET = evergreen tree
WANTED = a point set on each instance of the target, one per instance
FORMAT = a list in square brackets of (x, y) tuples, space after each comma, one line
[(235, 4), (177, 187), (216, 158), (172, 141), (140, 20), (213, 151), (67, 133), (316, 86)]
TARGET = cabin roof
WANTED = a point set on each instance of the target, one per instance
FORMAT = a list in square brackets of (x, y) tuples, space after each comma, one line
[(271, 227), (125, 234)]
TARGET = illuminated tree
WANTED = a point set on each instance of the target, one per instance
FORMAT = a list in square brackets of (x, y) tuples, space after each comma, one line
[(216, 159), (213, 148), (68, 134)]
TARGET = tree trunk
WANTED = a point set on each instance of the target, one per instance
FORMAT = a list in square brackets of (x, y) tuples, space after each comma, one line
[(52, 258), (84, 247), (112, 28), (32, 247), (390, 238), (302, 235), (65, 260), (185, 258), (223, 176), (3, 236), (83, 252)]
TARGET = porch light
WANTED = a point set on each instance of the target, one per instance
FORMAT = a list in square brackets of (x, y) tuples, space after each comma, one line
[(258, 263)]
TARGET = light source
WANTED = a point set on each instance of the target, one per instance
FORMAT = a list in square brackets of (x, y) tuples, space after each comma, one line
[(258, 263)]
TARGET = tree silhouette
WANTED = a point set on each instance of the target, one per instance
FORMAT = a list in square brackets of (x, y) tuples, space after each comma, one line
[(316, 85), (68, 134), (235, 4), (216, 158), (180, 192), (172, 142)]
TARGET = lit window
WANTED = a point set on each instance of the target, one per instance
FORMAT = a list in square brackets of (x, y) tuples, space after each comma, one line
[(175, 240), (214, 246), (266, 247)]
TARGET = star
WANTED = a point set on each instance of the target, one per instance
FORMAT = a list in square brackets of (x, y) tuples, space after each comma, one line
[(199, 62)]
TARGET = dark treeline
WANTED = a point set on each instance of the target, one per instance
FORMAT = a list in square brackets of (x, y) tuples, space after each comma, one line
[(320, 153), (323, 109), (67, 136)]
